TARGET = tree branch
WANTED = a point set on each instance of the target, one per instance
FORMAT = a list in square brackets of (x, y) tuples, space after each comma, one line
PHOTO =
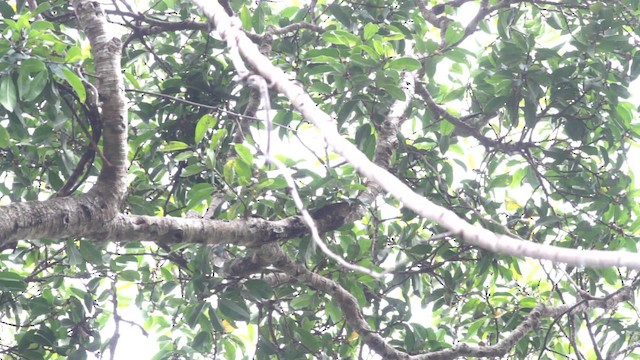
[(106, 51)]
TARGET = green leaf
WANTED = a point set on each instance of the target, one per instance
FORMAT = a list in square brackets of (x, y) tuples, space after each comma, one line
[(216, 139), (194, 313), (341, 13), (370, 30), (243, 171), (90, 252), (39, 306), (396, 92), (634, 71), (300, 302), (4, 138), (199, 193), (454, 33), (234, 310), (74, 54), (202, 342), (76, 83), (341, 37), (32, 65), (244, 153), (334, 311), (530, 111), (310, 341), (446, 128), (228, 171), (129, 275), (215, 321), (554, 21), (575, 128), (205, 123), (132, 80), (258, 19), (475, 326), (245, 17), (624, 111), (42, 25), (406, 63), (455, 94), (610, 275), (168, 287), (24, 81), (79, 354), (373, 54), (6, 10), (75, 257), (174, 146), (259, 288), (8, 96), (10, 281)]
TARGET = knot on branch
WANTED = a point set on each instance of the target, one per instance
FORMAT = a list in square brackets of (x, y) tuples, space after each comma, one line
[(114, 46)]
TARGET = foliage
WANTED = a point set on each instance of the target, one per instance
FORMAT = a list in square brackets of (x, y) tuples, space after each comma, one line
[(549, 162)]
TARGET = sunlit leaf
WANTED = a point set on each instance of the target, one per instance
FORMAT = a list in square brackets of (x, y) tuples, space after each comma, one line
[(8, 95)]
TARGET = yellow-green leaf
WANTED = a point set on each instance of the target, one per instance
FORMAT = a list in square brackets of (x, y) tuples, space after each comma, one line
[(174, 146), (244, 153), (406, 63)]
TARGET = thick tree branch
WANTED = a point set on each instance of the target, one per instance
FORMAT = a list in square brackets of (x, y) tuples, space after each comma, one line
[(248, 232), (106, 51), (51, 219)]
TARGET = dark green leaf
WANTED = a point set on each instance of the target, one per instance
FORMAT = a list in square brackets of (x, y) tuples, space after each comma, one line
[(10, 281), (634, 71), (90, 252), (259, 288), (234, 309), (194, 313), (341, 13), (130, 275), (202, 342)]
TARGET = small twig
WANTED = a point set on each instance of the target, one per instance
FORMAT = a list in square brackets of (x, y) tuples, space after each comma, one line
[(258, 82), (113, 343)]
